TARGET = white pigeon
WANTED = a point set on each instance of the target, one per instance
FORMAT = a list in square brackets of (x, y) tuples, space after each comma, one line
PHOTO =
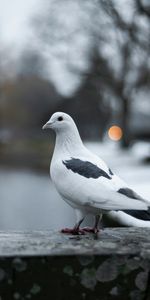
[(84, 181)]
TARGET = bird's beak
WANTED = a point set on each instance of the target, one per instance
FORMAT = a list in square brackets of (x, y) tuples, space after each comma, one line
[(47, 125)]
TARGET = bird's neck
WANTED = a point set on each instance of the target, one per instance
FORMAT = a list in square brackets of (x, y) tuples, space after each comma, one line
[(68, 142)]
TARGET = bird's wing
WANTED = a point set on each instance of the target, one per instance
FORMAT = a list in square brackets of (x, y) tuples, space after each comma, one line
[(113, 200), (89, 185)]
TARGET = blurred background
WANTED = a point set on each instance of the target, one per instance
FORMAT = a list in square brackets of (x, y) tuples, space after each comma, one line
[(90, 59)]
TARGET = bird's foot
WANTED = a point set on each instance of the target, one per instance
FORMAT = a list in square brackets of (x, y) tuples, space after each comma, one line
[(90, 229), (74, 231)]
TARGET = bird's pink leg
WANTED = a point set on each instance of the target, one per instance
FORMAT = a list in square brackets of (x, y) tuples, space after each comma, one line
[(91, 229), (75, 230), (94, 229)]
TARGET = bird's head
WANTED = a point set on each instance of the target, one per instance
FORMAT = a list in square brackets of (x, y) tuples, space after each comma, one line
[(59, 121)]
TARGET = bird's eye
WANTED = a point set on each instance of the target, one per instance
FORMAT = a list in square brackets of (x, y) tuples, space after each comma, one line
[(60, 118)]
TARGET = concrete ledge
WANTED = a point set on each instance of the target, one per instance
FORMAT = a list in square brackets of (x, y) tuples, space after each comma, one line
[(120, 241), (43, 265)]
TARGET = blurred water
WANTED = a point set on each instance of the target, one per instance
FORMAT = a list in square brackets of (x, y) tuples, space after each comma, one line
[(29, 201)]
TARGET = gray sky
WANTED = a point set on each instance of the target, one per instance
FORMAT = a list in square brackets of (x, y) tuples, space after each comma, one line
[(14, 17)]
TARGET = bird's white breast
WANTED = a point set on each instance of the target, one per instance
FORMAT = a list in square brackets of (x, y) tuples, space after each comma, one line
[(63, 182)]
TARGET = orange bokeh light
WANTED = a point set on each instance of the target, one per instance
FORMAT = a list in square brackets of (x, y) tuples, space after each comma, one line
[(115, 133)]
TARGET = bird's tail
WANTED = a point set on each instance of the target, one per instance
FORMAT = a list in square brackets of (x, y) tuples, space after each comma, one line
[(139, 214), (135, 218)]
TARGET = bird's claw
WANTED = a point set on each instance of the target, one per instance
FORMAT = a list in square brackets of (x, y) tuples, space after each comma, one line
[(90, 230), (74, 231)]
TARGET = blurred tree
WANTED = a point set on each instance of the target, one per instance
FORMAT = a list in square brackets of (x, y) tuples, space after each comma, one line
[(25, 100), (104, 48), (134, 56), (26, 97), (30, 63), (86, 104), (5, 72)]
